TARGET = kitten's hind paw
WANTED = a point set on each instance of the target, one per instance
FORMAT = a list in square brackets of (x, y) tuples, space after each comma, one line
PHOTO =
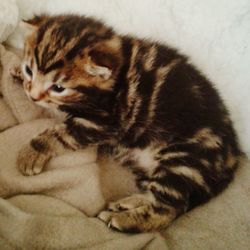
[(136, 214)]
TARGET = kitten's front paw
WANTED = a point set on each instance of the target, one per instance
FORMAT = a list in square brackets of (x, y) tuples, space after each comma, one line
[(33, 157)]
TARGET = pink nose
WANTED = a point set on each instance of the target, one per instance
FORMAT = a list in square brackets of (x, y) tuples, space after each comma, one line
[(36, 98)]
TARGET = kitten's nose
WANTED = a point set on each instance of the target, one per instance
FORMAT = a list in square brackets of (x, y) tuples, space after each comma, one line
[(36, 98), (35, 95)]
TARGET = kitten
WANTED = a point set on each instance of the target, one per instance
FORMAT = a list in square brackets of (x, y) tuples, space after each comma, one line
[(142, 103)]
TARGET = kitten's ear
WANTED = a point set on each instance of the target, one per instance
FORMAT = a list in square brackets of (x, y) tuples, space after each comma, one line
[(95, 70), (34, 23), (101, 64)]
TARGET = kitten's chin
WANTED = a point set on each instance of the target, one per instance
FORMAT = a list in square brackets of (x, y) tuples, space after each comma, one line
[(39, 103)]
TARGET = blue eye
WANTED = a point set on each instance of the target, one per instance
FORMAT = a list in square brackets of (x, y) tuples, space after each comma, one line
[(57, 88)]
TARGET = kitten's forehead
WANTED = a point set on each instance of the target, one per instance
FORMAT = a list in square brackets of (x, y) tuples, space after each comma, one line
[(63, 37)]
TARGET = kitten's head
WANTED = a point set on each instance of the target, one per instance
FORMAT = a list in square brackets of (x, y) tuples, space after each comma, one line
[(67, 57)]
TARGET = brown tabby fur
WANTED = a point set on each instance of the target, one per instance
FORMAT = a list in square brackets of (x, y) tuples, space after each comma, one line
[(140, 102)]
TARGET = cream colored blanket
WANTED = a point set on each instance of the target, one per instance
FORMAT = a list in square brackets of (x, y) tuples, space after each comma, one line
[(54, 210)]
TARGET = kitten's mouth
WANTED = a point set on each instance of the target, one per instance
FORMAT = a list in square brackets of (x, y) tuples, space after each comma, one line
[(41, 103), (38, 102)]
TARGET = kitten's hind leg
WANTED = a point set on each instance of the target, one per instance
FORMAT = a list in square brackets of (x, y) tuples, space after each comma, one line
[(137, 213), (176, 184)]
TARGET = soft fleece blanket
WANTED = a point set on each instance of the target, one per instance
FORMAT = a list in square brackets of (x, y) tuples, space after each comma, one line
[(53, 211)]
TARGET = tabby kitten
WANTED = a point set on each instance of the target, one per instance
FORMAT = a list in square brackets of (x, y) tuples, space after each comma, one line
[(140, 102)]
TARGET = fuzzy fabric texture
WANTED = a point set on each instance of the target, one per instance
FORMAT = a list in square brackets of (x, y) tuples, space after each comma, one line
[(9, 15), (46, 223), (214, 34)]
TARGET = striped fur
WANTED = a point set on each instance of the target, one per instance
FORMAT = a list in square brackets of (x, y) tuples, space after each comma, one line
[(140, 102)]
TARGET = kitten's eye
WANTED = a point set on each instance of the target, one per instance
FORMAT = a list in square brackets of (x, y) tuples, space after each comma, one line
[(28, 70), (57, 88)]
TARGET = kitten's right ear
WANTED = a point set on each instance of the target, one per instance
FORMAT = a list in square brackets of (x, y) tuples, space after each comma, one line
[(34, 23)]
